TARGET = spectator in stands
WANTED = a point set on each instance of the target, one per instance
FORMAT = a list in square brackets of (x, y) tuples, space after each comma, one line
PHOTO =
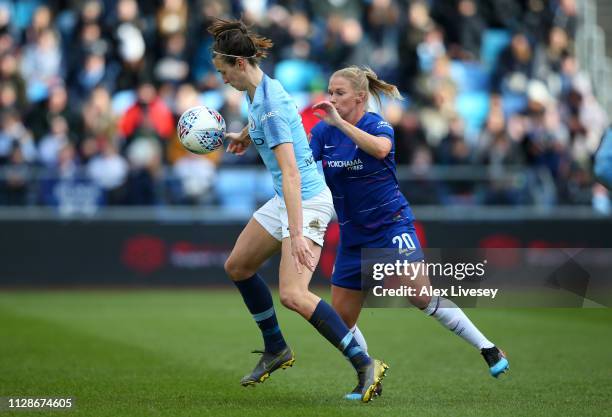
[(505, 14), (9, 74), (437, 92), (196, 175), (423, 188), (56, 104), (409, 135), (566, 16), (109, 171), (8, 96), (148, 116), (131, 38), (173, 63), (69, 59), (41, 22), (14, 133), (515, 66), (15, 181), (172, 18), (548, 59), (51, 143), (418, 23), (145, 158), (41, 64), (95, 71), (471, 27), (99, 120), (90, 41), (537, 20)]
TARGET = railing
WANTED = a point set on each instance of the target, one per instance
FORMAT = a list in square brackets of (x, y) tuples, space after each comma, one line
[(242, 189), (591, 53)]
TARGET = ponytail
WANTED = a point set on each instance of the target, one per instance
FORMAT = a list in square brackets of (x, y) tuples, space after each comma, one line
[(233, 39), (365, 79)]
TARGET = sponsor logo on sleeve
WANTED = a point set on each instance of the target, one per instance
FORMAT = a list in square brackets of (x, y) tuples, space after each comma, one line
[(268, 115)]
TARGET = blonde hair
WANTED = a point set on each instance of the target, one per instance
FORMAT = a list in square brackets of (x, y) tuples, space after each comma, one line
[(365, 79)]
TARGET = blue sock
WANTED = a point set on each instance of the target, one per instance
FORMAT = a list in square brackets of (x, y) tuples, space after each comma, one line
[(330, 325), (257, 297)]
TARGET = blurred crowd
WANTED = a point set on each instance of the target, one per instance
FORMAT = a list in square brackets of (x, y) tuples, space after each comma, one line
[(90, 92)]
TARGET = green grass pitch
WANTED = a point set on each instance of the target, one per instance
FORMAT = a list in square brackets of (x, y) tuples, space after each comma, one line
[(182, 353)]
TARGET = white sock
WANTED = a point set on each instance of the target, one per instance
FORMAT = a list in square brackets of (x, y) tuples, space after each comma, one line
[(359, 338), (455, 320)]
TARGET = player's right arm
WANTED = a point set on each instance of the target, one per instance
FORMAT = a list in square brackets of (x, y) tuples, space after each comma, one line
[(377, 146), (238, 142), (292, 193)]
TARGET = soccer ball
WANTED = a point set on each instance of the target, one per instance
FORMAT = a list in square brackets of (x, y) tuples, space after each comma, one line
[(201, 130)]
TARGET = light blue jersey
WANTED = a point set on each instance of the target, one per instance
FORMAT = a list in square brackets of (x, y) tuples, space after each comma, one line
[(274, 119)]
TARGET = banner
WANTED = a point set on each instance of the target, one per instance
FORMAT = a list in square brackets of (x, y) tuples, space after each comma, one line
[(157, 253)]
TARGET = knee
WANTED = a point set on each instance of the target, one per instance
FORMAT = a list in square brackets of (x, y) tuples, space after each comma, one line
[(292, 299), (237, 270)]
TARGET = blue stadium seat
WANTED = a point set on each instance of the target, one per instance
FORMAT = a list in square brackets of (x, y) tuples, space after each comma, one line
[(264, 187), (473, 108), (235, 189), (213, 99), (122, 100), (513, 103), (296, 75), (493, 42), (469, 76), (21, 14)]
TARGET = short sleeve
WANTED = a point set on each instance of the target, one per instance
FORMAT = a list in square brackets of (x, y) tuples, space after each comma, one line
[(316, 142), (380, 128), (275, 126)]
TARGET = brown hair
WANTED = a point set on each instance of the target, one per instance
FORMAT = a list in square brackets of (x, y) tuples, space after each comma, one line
[(365, 79), (233, 39)]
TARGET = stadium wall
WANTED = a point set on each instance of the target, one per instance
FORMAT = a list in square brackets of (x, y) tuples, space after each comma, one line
[(115, 253)]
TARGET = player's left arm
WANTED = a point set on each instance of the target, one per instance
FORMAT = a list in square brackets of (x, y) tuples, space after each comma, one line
[(377, 146)]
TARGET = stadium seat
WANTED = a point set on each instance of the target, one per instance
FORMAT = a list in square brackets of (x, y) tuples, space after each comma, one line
[(473, 108), (469, 76), (213, 99), (513, 103), (296, 75), (493, 42), (23, 12), (235, 189), (122, 100), (264, 187)]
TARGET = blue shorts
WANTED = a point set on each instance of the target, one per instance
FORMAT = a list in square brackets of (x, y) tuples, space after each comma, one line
[(347, 269)]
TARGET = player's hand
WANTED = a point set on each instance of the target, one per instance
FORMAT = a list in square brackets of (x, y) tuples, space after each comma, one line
[(302, 255), (331, 116), (238, 143)]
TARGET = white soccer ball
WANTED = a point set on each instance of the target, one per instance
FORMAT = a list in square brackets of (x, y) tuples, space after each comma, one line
[(201, 130)]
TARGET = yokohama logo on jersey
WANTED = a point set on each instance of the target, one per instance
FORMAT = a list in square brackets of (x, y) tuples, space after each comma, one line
[(354, 165)]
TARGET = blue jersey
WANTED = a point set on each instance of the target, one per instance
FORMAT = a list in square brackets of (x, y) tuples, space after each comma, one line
[(274, 119), (365, 190)]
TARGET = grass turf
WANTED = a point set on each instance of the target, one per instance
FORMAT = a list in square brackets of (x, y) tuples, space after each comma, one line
[(182, 353)]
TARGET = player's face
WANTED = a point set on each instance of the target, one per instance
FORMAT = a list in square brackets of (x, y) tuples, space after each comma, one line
[(231, 74), (344, 97)]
